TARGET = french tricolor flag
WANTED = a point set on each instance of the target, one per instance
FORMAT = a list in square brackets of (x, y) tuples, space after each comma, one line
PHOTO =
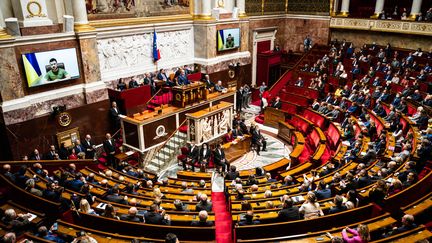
[(156, 52)]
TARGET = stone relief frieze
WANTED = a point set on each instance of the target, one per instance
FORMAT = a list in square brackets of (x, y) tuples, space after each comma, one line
[(136, 50)]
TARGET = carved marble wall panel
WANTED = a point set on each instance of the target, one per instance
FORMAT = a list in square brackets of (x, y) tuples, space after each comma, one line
[(42, 108), (10, 80), (132, 55), (90, 60), (96, 96)]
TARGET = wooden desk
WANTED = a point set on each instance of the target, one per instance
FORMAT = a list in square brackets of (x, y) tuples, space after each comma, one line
[(188, 94), (235, 150)]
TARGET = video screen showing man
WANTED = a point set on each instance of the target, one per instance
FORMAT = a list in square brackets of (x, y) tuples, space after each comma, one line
[(229, 43), (56, 73)]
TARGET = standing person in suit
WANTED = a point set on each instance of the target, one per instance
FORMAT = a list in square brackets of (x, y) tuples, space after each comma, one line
[(133, 84), (219, 157), (239, 99), (277, 104), (79, 149), (110, 149), (162, 76), (258, 140), (114, 116), (148, 80), (204, 156), (89, 147), (232, 174), (192, 156)]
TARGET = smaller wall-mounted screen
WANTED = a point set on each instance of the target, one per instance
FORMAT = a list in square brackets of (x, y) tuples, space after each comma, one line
[(228, 39), (50, 67)]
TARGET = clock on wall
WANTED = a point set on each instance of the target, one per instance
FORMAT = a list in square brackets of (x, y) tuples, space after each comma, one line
[(64, 119)]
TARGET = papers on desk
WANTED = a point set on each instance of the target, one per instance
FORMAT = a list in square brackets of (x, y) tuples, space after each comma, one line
[(129, 153), (32, 216), (391, 148), (347, 143), (101, 206), (363, 153), (297, 199), (390, 180)]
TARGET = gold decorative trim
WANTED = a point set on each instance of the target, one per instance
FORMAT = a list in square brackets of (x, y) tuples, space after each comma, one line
[(391, 26), (286, 6), (139, 21), (243, 15), (343, 14), (83, 28), (38, 12), (4, 35), (375, 16), (412, 17), (203, 17)]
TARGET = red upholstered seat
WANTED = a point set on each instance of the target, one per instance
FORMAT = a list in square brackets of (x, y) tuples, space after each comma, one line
[(183, 129), (259, 119)]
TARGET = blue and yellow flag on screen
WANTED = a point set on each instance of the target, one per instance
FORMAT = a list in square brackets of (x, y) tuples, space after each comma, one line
[(32, 70), (221, 40)]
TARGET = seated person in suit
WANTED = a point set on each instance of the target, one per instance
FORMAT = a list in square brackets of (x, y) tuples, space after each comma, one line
[(52, 192), (162, 76), (48, 235), (407, 224), (258, 140), (277, 104), (17, 222), (204, 204), (288, 212), (7, 172), (203, 215), (132, 216), (204, 156), (155, 217), (192, 157), (180, 206), (121, 85), (219, 88), (182, 79), (115, 197), (237, 133), (232, 174), (339, 207), (209, 84), (249, 219), (133, 84)]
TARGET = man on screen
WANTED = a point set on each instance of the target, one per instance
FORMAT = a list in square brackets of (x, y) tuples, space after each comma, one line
[(56, 73), (229, 41)]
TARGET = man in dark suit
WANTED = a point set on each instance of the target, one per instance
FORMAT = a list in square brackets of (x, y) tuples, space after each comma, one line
[(277, 104), (219, 157), (35, 155), (204, 204), (89, 147), (239, 99), (148, 80), (52, 192), (110, 149), (258, 140), (79, 149), (339, 207), (133, 84), (232, 174), (249, 219), (202, 220), (322, 191), (132, 216), (51, 155), (182, 78), (116, 197), (236, 132), (289, 212), (7, 172), (192, 156), (114, 116), (154, 217), (209, 84)]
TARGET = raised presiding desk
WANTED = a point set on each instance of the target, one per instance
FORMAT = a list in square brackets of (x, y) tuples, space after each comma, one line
[(130, 101), (189, 94)]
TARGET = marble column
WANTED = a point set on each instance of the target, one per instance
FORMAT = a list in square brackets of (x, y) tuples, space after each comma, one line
[(206, 8), (415, 9), (80, 12), (379, 6), (241, 6), (345, 8)]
